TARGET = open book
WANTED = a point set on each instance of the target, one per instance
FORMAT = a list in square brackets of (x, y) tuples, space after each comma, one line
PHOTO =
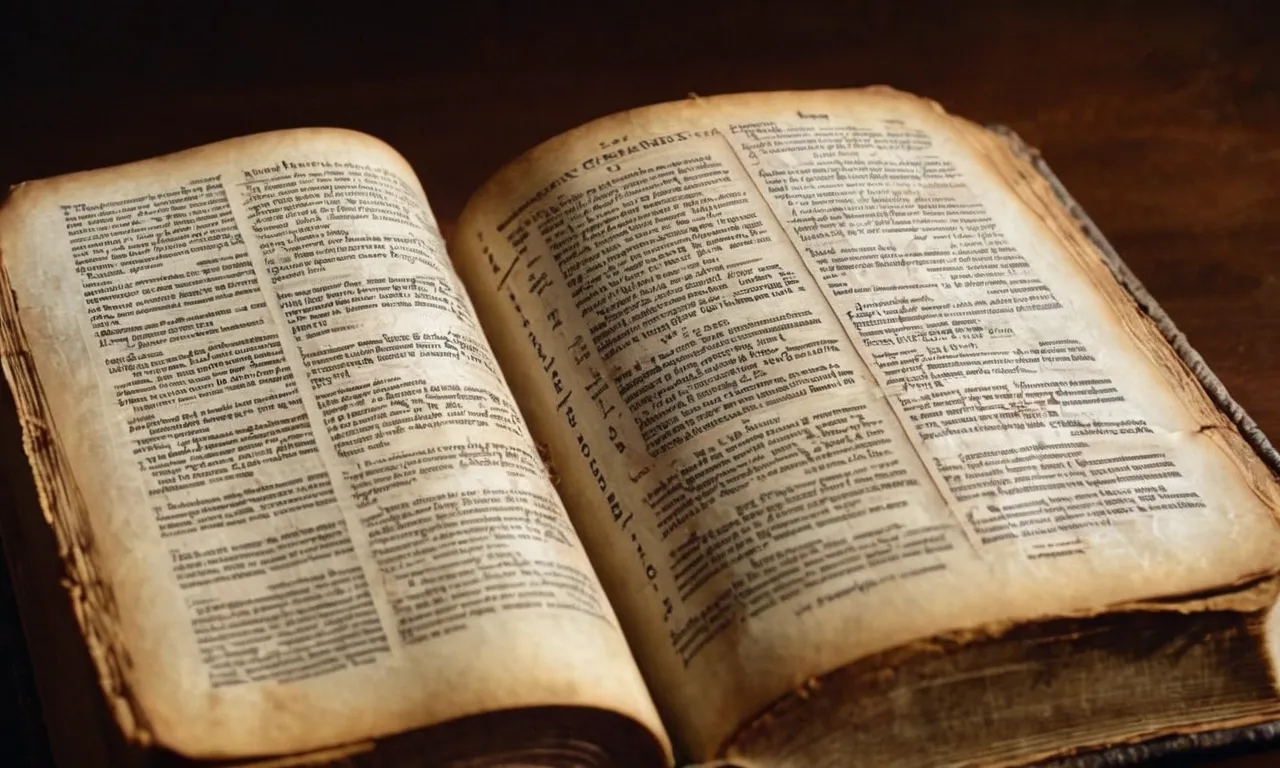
[(785, 429)]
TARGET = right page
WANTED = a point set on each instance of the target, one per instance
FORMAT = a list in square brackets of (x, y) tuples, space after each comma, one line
[(827, 373)]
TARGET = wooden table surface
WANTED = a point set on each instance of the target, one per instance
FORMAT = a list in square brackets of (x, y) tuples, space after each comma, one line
[(1162, 119)]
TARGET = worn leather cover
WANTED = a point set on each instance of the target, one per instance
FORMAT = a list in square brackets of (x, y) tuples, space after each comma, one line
[(1167, 749)]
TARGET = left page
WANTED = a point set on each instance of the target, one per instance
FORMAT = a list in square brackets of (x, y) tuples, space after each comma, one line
[(296, 500)]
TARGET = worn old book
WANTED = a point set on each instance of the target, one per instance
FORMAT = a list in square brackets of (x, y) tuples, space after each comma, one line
[(789, 429)]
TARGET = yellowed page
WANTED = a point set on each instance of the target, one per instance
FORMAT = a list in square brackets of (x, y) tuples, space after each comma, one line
[(311, 511), (823, 374)]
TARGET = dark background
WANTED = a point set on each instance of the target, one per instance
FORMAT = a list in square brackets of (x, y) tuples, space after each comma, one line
[(1163, 119)]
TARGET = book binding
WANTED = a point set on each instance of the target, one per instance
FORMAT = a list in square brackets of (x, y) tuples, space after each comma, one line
[(1210, 743)]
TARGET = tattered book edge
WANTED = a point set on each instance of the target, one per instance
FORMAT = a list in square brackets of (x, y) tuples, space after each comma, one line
[(63, 507), (1220, 740)]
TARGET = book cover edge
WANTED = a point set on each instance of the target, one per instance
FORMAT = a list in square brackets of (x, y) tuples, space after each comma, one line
[(1207, 742)]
